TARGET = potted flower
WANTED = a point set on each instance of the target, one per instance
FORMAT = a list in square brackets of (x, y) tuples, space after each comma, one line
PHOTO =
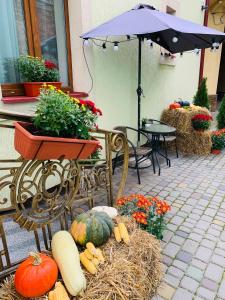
[(149, 212), (201, 122), (35, 71), (218, 141), (60, 129)]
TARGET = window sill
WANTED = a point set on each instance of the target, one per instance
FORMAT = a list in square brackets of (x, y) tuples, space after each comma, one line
[(25, 99)]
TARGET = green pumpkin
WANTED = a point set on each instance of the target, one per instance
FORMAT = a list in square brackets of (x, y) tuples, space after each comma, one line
[(92, 226)]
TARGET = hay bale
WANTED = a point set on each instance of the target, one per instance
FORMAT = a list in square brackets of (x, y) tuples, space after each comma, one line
[(130, 272), (189, 141)]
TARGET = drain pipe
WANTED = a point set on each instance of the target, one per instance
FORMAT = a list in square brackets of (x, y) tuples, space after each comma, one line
[(202, 60)]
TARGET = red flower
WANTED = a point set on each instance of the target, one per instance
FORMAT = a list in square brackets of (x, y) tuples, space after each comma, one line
[(202, 117), (50, 65)]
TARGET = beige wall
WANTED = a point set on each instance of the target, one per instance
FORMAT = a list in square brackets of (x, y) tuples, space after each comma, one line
[(212, 60), (115, 73)]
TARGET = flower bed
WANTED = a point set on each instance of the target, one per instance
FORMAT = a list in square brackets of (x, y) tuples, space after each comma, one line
[(149, 212), (218, 140)]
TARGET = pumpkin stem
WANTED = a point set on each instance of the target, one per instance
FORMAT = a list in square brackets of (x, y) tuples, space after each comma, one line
[(37, 259)]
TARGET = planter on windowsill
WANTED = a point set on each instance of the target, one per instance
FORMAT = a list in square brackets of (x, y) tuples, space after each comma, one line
[(32, 89), (32, 146)]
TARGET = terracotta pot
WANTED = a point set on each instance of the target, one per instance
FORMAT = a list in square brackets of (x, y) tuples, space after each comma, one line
[(32, 89), (216, 151), (44, 147)]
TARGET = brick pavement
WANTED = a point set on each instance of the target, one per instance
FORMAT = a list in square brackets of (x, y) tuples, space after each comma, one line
[(193, 246)]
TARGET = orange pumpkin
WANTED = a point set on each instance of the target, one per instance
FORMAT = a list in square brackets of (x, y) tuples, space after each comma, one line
[(36, 275), (175, 105)]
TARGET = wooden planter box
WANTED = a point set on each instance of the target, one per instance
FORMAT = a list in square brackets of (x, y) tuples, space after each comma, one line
[(32, 89), (44, 147)]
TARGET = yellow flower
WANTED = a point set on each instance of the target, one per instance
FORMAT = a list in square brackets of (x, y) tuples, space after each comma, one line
[(75, 100), (83, 107)]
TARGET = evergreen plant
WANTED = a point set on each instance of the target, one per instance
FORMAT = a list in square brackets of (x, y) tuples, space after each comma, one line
[(201, 98), (221, 115)]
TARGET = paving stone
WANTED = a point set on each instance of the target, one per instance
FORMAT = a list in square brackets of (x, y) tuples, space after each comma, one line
[(219, 260), (210, 212), (222, 236), (180, 265), (199, 264), (219, 251), (214, 272), (167, 260), (213, 232), (184, 256), (208, 244), (221, 291), (171, 250), (203, 225), (207, 218), (209, 284), (195, 273), (190, 246), (166, 292), (167, 235), (186, 229), (182, 234), (178, 240), (189, 284), (175, 272), (171, 280), (203, 253), (205, 293), (177, 220), (182, 294), (172, 227), (195, 237)]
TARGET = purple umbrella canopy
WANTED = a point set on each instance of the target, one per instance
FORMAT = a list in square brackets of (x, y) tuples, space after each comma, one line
[(170, 32)]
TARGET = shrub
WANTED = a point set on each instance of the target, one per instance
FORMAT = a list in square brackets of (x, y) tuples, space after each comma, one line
[(60, 115), (221, 115), (149, 212), (35, 69), (201, 98)]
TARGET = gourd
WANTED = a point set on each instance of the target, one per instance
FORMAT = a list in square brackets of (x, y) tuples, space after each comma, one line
[(117, 234), (92, 226), (124, 233), (59, 293), (112, 212), (66, 255), (90, 267), (175, 105), (36, 275)]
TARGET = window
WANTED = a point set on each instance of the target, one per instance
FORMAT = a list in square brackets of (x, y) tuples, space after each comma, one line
[(35, 27)]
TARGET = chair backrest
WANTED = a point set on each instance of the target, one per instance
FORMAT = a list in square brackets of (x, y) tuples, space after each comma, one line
[(153, 121), (123, 129)]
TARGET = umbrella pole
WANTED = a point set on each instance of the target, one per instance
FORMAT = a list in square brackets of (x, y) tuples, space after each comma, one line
[(139, 89)]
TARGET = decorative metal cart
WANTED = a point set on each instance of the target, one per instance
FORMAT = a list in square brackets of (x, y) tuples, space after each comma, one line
[(44, 196)]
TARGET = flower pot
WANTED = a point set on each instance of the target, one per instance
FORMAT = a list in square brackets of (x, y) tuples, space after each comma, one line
[(216, 151), (44, 147), (32, 89)]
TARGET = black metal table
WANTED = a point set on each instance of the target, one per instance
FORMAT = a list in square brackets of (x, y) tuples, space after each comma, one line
[(157, 130)]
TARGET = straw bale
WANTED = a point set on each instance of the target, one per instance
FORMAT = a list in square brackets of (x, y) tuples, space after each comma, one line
[(131, 271), (189, 141)]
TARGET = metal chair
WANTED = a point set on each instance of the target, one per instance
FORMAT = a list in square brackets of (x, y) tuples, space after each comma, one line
[(165, 139), (140, 153)]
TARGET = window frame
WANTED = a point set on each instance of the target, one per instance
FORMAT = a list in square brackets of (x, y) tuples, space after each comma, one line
[(34, 48)]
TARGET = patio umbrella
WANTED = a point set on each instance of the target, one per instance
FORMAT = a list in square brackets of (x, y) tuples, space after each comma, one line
[(172, 33)]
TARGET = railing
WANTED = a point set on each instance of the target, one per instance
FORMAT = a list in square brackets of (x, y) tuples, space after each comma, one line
[(43, 196)]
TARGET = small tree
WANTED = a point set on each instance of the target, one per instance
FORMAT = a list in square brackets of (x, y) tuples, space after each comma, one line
[(221, 115), (201, 98)]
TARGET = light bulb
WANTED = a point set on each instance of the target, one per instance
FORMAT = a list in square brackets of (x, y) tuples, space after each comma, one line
[(181, 54), (104, 46), (158, 39), (86, 43), (175, 39), (116, 46), (149, 41), (196, 51)]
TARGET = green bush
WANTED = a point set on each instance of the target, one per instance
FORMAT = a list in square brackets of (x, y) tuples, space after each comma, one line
[(35, 69), (218, 141), (62, 116), (221, 115), (201, 98)]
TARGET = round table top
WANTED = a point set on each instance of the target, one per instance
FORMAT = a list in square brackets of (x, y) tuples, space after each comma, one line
[(22, 110), (158, 129)]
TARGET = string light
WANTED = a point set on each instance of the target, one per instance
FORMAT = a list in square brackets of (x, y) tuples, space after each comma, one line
[(86, 42), (181, 54), (158, 39), (104, 46), (175, 39), (116, 46), (149, 42), (196, 51)]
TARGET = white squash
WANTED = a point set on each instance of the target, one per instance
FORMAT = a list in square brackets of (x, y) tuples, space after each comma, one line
[(111, 211), (66, 255)]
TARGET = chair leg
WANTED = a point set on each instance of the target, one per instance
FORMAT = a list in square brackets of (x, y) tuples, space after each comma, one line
[(115, 162), (166, 153), (176, 148), (137, 167), (153, 162)]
